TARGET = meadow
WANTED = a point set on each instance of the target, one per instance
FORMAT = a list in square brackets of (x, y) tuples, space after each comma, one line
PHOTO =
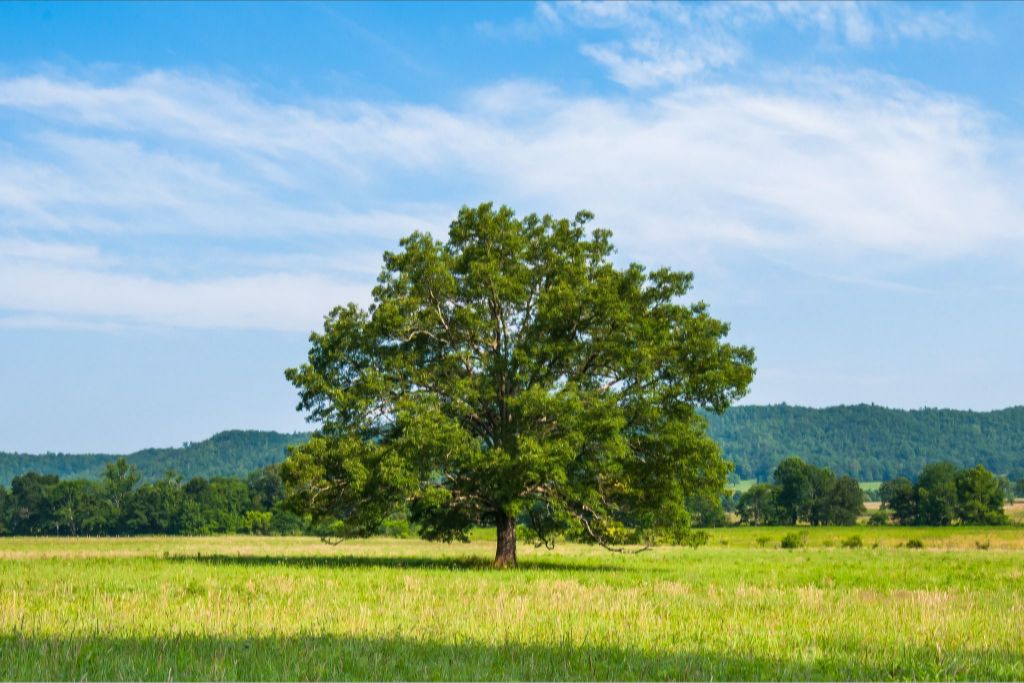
[(741, 608)]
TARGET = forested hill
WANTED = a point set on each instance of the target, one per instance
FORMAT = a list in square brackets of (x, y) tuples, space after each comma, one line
[(227, 454), (869, 442)]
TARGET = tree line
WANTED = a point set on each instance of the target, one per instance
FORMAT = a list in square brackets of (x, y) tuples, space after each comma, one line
[(799, 492), (120, 503)]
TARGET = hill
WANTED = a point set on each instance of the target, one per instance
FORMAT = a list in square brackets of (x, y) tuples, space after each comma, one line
[(231, 453), (869, 442)]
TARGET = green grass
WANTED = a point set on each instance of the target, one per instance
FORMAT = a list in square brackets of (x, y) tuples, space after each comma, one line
[(292, 608)]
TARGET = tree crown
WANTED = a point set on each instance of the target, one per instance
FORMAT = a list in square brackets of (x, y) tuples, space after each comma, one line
[(513, 371)]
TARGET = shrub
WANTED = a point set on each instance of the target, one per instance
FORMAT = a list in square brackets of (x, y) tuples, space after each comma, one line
[(915, 543), (763, 541), (697, 538), (792, 540), (395, 528), (852, 542), (983, 545), (878, 518)]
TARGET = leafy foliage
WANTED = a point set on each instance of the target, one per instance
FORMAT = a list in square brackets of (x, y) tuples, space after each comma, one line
[(513, 374)]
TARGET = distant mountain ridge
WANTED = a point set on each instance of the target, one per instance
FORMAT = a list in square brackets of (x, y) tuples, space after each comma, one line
[(869, 442), (232, 453)]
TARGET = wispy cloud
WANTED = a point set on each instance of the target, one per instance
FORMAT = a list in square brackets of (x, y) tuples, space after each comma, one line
[(283, 205), (662, 43)]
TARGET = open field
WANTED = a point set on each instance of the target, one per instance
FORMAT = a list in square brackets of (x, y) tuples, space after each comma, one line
[(293, 608)]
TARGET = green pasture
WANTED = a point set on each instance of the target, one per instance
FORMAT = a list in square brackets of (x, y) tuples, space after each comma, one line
[(740, 608)]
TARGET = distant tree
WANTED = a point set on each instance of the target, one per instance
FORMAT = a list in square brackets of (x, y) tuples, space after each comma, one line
[(822, 505), (898, 495), (5, 511), (795, 489), (73, 502), (846, 502), (979, 497), (936, 494), (119, 481), (513, 373), (157, 508), (266, 488), (758, 505), (705, 510), (1018, 489), (32, 505)]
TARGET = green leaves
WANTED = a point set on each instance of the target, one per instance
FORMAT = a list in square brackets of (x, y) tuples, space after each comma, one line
[(514, 370)]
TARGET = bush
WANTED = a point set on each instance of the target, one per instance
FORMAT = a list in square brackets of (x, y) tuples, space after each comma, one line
[(697, 538), (395, 528), (256, 522), (763, 541), (792, 540), (915, 544), (852, 542), (982, 545), (878, 518)]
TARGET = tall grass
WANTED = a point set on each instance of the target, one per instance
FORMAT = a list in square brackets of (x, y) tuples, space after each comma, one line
[(292, 608)]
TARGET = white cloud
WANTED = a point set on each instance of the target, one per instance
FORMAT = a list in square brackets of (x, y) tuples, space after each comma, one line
[(812, 169), (271, 301), (665, 43)]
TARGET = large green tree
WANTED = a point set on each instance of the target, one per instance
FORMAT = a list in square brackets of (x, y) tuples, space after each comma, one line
[(513, 373)]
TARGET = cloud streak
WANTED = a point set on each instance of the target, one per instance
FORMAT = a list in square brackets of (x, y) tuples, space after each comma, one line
[(662, 43), (810, 168)]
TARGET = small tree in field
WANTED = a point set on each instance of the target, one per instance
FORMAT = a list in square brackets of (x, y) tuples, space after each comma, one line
[(513, 374)]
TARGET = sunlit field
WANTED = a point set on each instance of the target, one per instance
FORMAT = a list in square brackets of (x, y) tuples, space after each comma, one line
[(737, 608)]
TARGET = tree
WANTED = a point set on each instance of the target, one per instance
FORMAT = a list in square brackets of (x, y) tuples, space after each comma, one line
[(119, 481), (846, 501), (899, 496), (979, 497), (5, 511), (706, 510), (758, 505), (795, 489), (512, 374), (822, 504), (32, 504), (936, 494)]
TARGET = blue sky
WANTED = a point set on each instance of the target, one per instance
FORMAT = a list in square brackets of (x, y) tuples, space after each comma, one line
[(185, 189)]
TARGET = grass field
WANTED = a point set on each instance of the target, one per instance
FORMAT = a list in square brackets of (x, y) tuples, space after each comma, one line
[(738, 608)]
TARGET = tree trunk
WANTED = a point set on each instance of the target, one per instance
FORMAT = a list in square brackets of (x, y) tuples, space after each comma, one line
[(506, 555)]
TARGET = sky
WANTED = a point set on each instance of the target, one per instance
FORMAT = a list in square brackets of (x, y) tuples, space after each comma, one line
[(186, 189)]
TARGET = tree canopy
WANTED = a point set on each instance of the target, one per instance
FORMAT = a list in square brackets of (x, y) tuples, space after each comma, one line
[(944, 494), (802, 493), (513, 374)]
